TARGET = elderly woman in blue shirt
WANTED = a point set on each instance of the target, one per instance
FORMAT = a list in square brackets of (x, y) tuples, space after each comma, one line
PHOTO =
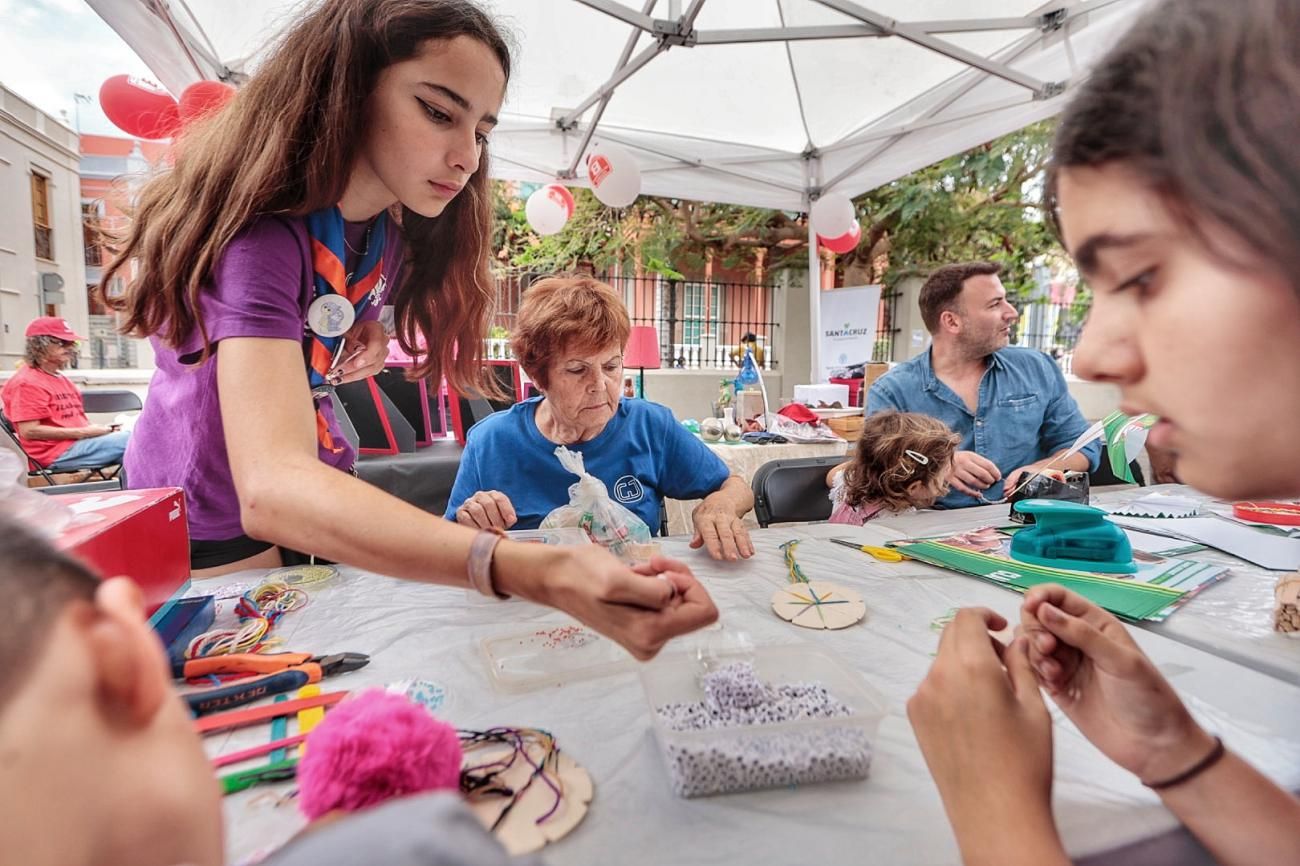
[(569, 338), (1010, 405)]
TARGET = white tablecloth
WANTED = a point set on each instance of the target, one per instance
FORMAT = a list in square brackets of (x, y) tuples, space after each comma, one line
[(743, 459), (894, 817)]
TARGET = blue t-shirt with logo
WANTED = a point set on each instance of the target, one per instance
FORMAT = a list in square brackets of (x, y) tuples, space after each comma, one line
[(643, 455)]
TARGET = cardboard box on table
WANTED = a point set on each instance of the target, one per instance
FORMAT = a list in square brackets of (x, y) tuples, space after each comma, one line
[(140, 534)]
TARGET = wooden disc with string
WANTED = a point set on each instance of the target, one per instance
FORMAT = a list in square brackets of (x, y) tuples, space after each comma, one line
[(521, 831), (818, 604)]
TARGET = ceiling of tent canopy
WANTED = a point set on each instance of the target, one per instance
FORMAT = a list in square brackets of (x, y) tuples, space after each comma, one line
[(757, 102)]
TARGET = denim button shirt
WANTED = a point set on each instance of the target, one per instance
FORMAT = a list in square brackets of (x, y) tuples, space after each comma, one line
[(1025, 411)]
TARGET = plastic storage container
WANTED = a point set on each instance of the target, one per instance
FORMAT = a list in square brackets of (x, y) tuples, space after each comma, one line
[(741, 758)]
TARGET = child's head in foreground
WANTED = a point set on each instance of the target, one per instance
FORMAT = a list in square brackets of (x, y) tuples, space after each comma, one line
[(98, 763)]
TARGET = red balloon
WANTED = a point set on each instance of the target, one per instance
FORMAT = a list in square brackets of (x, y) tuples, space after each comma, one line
[(139, 108), (204, 97), (845, 242)]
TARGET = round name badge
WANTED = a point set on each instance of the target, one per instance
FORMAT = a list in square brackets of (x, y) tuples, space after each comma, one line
[(330, 316)]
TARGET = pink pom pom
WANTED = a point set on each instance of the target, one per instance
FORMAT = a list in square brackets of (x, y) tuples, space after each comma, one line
[(372, 748)]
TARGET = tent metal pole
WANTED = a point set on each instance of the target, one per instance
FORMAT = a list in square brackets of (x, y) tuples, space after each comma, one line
[(604, 100), (622, 13), (607, 89), (913, 33), (814, 302)]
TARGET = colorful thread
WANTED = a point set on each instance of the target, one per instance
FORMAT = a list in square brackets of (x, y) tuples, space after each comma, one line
[(258, 610)]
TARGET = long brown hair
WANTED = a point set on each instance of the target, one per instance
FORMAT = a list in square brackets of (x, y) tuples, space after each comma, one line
[(286, 145), (1199, 100)]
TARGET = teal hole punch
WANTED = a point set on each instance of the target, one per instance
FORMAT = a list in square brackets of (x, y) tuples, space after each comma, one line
[(1072, 536)]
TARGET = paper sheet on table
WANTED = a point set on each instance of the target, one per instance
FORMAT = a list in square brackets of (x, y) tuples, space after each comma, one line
[(1162, 545), (1159, 505), (1273, 552)]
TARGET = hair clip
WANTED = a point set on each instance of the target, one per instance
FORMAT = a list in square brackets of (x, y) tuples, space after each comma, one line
[(918, 457)]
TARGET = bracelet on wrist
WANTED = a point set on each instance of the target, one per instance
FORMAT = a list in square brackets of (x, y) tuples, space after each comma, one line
[(479, 564), (1195, 770)]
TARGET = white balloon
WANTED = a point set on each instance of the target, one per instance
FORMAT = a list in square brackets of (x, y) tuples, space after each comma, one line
[(615, 176), (832, 215), (548, 209)]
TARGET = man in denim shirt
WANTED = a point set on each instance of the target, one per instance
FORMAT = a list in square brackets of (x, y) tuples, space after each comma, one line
[(1010, 405)]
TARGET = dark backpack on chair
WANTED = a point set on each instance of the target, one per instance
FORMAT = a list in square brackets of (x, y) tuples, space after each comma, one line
[(793, 491)]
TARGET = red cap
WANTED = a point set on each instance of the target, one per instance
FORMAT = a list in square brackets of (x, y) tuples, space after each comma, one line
[(799, 412), (52, 326)]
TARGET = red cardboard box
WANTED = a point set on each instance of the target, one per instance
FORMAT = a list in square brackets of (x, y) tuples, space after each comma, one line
[(142, 534)]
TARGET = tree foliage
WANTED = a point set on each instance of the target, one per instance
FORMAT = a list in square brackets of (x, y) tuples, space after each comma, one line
[(982, 204)]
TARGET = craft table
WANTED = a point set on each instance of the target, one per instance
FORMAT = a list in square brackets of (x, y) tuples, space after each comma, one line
[(1232, 619), (895, 816), (744, 459)]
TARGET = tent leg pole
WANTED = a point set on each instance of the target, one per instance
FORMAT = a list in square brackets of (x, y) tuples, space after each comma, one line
[(814, 303)]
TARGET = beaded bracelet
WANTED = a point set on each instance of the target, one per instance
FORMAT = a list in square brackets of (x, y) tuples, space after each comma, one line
[(479, 564), (1196, 769)]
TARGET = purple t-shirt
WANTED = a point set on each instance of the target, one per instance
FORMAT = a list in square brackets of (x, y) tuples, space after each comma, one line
[(261, 287)]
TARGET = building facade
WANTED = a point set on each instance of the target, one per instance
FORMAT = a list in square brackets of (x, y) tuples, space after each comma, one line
[(42, 264)]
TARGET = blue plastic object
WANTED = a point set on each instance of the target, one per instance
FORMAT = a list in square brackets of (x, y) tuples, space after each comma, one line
[(187, 619), (1071, 536)]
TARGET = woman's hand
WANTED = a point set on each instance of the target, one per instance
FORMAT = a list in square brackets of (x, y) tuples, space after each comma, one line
[(719, 524), (365, 350), (641, 608), (721, 532), (987, 739), (487, 509), (1101, 679)]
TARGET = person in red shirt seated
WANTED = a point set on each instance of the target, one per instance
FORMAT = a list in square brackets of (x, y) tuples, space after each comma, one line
[(46, 409)]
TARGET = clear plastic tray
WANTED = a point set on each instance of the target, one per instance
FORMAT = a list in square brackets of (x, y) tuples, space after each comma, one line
[(675, 678), (565, 535), (551, 654)]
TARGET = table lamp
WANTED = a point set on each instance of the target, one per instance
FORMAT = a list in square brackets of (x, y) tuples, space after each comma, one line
[(642, 351)]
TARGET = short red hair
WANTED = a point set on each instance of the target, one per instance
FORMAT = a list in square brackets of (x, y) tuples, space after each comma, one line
[(563, 312)]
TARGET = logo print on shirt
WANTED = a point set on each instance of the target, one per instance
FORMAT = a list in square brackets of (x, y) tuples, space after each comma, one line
[(628, 489)]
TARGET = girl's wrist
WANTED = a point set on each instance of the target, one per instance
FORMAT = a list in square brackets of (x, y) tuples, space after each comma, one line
[(523, 570)]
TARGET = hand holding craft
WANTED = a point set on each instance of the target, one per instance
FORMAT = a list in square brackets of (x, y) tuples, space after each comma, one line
[(987, 736), (632, 607), (1106, 685), (365, 349), (972, 473)]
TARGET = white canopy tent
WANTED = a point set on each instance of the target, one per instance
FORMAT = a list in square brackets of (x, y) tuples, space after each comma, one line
[(770, 103)]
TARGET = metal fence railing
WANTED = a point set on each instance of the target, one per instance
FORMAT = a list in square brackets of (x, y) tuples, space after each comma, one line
[(701, 324), (1053, 328)]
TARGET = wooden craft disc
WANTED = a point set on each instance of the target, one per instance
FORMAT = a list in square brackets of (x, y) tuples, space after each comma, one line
[(819, 605), (520, 833)]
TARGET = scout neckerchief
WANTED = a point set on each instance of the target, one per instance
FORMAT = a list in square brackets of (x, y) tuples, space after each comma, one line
[(339, 298)]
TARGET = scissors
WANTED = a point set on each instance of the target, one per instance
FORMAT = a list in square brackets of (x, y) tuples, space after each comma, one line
[(884, 554)]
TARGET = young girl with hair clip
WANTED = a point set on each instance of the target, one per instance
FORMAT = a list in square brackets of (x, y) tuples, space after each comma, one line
[(350, 171), (1175, 185), (902, 460)]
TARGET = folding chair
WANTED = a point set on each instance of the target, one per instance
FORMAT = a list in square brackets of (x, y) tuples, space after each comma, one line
[(104, 402), (793, 491), (101, 402), (33, 468)]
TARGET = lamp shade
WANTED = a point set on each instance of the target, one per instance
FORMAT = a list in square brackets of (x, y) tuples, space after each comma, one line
[(642, 348)]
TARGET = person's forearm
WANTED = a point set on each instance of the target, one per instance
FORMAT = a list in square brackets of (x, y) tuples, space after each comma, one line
[(1078, 461), (734, 495), (1028, 840), (1238, 814), (294, 502), (46, 432)]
